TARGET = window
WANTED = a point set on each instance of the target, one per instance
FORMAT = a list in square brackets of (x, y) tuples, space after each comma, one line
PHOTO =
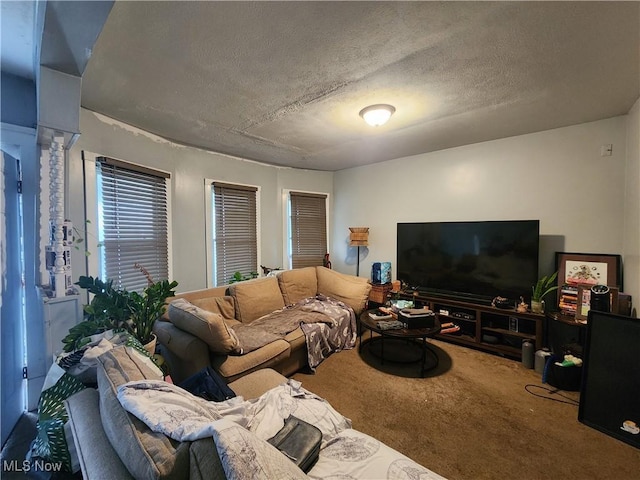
[(235, 235), (307, 229), (133, 223)]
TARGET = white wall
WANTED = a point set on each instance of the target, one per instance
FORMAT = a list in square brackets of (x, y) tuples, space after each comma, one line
[(189, 167), (557, 176), (631, 241)]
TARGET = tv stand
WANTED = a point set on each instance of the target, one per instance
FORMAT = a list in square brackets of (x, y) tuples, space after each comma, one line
[(482, 326), (456, 297)]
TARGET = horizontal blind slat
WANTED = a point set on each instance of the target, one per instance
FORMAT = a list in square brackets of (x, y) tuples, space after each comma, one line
[(308, 229), (235, 235), (134, 224)]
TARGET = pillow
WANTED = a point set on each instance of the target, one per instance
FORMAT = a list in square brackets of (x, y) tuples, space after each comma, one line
[(297, 284), (225, 306), (354, 291), (244, 455), (208, 326), (145, 453), (255, 298)]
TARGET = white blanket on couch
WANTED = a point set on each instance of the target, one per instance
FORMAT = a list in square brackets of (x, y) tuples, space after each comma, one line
[(240, 426), (169, 409)]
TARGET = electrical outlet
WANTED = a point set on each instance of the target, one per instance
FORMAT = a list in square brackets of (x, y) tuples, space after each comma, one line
[(606, 150)]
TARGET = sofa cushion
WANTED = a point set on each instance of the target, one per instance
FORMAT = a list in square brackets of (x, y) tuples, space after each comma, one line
[(297, 284), (296, 339), (145, 453), (232, 367), (250, 338), (264, 462), (206, 325), (258, 383), (84, 410), (255, 298), (354, 291), (225, 306)]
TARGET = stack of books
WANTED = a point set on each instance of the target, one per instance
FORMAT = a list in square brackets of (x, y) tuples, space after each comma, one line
[(380, 315), (568, 303)]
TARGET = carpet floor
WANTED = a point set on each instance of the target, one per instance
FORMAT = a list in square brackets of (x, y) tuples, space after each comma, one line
[(474, 416)]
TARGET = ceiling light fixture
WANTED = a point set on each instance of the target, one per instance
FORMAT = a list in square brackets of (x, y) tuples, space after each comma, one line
[(376, 115)]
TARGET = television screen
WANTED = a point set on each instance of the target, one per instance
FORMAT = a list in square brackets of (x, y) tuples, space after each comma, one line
[(476, 260)]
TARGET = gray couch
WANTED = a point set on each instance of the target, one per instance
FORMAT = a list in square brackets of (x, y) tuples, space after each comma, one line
[(113, 444), (196, 330)]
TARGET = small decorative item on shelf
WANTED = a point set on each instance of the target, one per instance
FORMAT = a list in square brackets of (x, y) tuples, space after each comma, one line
[(522, 307), (502, 302), (545, 285)]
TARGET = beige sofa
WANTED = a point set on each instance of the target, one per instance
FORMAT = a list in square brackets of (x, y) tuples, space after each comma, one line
[(113, 444), (198, 328)]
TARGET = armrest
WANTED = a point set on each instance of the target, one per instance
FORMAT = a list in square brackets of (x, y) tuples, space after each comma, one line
[(184, 353), (98, 459)]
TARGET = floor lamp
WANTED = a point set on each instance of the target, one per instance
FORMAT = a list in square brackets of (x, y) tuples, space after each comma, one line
[(358, 237)]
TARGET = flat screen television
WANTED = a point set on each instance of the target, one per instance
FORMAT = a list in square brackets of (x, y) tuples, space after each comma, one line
[(473, 261)]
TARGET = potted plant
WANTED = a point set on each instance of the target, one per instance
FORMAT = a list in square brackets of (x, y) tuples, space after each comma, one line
[(147, 307), (120, 309), (239, 277), (544, 286)]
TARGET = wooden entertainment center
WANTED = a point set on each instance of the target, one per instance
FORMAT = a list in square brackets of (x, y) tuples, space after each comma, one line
[(483, 326)]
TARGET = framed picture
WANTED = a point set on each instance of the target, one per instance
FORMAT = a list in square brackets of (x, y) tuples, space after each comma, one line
[(588, 269), (584, 302)]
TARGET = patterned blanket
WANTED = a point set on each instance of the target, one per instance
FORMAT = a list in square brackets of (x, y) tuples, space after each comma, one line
[(241, 427), (328, 325)]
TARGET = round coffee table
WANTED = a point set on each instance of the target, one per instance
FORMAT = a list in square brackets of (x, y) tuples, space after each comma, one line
[(408, 335)]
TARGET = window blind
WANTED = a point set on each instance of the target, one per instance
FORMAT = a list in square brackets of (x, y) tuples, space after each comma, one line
[(308, 223), (133, 223), (235, 235)]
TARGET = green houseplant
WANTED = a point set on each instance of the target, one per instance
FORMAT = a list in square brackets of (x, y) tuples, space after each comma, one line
[(239, 277), (544, 286), (119, 309)]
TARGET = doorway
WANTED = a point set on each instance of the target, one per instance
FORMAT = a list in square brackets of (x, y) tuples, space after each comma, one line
[(12, 319)]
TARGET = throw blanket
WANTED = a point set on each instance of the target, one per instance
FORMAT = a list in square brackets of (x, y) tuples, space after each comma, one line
[(328, 325), (169, 409), (240, 428)]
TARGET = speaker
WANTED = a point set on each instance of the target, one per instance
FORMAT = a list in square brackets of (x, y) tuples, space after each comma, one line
[(600, 298), (610, 383)]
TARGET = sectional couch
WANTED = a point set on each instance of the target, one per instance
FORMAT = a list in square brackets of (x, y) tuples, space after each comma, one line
[(113, 443), (201, 328)]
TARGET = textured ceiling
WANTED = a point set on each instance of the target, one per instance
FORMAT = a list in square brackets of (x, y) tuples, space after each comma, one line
[(283, 82)]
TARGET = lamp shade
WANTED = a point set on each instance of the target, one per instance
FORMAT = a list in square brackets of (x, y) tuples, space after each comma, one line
[(359, 236)]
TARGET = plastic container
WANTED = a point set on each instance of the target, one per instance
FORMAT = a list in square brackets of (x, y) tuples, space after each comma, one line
[(528, 350), (541, 360)]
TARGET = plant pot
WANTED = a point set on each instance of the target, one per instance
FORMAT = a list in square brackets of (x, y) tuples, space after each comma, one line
[(151, 345), (537, 306)]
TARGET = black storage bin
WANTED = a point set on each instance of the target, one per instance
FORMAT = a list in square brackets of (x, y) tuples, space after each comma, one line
[(564, 378)]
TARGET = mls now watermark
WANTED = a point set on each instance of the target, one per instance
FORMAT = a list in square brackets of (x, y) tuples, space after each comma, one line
[(31, 466)]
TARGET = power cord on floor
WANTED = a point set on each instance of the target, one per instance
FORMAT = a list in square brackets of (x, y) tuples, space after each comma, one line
[(550, 392)]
